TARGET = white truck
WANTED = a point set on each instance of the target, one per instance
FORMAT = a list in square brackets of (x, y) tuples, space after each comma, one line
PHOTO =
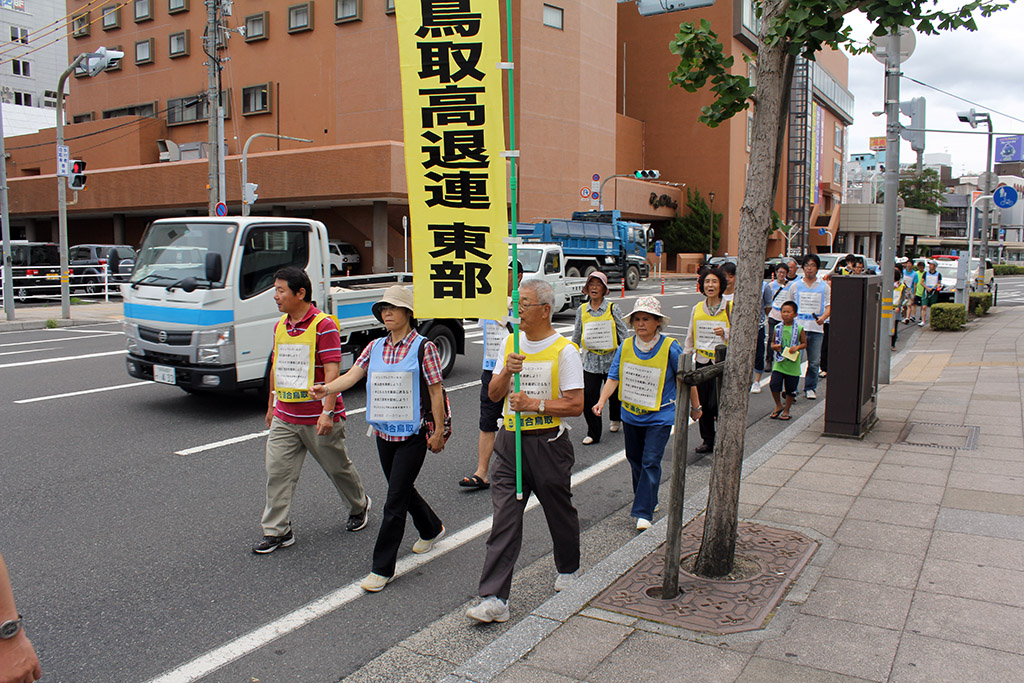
[(547, 262), (199, 308)]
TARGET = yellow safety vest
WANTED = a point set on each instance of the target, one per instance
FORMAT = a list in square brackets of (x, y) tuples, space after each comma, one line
[(295, 361), (539, 379), (641, 382), (704, 322), (599, 324)]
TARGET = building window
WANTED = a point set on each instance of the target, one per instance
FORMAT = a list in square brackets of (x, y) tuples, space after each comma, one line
[(82, 118), (19, 67), (347, 10), (389, 6), (22, 98), (111, 18), (750, 20), (750, 130), (134, 110), (50, 99), (175, 6), (837, 172), (143, 10), (19, 35), (256, 99), (144, 52), (193, 108), (838, 141), (300, 17), (553, 17), (178, 44), (80, 25), (256, 26)]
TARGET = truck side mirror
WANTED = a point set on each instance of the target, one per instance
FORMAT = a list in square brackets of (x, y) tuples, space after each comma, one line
[(113, 262), (213, 267)]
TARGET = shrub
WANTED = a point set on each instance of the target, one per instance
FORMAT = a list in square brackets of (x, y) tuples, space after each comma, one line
[(980, 302), (948, 316), (51, 324), (1006, 269)]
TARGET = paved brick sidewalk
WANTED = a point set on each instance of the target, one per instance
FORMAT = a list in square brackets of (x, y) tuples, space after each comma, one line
[(920, 574)]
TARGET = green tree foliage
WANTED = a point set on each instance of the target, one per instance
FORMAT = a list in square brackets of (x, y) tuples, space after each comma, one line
[(789, 28), (689, 234), (923, 191)]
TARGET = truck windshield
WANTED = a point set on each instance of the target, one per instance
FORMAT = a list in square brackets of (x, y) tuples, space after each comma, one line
[(530, 258), (172, 251)]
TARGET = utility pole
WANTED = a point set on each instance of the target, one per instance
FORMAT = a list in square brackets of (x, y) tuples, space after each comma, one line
[(8, 290), (210, 43), (988, 187), (890, 205)]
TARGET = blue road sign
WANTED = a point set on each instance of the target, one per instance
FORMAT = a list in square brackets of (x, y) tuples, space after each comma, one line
[(822, 231), (657, 247), (596, 177), (222, 209), (1004, 197)]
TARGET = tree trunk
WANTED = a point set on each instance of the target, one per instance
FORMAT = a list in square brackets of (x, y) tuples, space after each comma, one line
[(718, 547)]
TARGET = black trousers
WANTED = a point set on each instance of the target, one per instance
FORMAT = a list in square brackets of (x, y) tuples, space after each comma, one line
[(547, 467), (708, 394), (592, 383), (401, 462)]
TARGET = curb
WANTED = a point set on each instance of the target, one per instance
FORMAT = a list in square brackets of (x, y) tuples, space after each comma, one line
[(514, 645)]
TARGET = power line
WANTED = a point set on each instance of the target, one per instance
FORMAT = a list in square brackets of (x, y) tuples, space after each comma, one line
[(962, 99)]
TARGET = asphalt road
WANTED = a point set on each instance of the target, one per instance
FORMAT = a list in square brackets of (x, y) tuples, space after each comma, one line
[(1011, 290), (130, 559)]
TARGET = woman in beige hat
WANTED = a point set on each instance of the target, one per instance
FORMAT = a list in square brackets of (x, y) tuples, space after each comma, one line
[(403, 392), (598, 332), (642, 373)]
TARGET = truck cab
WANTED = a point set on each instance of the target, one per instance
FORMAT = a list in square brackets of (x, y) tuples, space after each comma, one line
[(547, 262)]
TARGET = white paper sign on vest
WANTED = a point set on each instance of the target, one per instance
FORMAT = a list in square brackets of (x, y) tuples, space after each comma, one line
[(810, 303), (640, 385), (291, 366), (704, 334), (391, 397), (598, 335), (535, 380)]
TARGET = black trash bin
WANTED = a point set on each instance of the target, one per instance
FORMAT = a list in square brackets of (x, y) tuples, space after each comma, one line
[(851, 399)]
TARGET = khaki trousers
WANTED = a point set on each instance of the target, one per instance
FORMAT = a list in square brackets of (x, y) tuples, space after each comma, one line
[(287, 445)]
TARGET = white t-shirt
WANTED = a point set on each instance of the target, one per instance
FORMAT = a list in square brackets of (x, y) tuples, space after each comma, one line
[(570, 365)]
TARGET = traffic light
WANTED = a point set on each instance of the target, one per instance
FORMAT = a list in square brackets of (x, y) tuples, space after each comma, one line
[(249, 195), (915, 110), (76, 180), (646, 175)]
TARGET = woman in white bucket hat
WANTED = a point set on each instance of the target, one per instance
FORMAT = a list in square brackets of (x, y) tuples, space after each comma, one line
[(642, 373)]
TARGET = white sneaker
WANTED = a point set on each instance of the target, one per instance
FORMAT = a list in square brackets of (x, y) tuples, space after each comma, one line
[(587, 440), (810, 394), (563, 581), (491, 608), (374, 583), (921, 324), (642, 524), (614, 426), (755, 388), (425, 544)]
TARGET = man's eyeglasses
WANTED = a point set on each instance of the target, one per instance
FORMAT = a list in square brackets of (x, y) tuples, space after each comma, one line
[(522, 305)]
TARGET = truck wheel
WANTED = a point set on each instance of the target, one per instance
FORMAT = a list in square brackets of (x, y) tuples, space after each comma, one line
[(92, 286), (589, 270), (632, 277), (572, 271), (444, 340)]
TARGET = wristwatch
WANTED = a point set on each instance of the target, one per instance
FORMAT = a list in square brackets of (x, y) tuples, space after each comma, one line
[(10, 628), (330, 413), (540, 408)]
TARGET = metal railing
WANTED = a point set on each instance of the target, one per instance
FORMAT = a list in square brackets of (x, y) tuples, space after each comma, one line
[(41, 284)]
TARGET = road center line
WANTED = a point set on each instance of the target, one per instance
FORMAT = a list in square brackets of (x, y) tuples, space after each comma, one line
[(257, 435), (283, 625), (81, 393), (62, 358)]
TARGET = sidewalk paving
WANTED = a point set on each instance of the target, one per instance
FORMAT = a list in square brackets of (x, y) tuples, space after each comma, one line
[(36, 317), (920, 571)]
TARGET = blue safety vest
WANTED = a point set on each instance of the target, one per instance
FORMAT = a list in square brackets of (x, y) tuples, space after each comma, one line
[(385, 391)]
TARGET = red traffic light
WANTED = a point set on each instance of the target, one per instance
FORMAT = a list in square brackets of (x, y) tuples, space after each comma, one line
[(77, 166)]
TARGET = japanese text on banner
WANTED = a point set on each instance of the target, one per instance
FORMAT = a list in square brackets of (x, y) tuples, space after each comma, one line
[(454, 136)]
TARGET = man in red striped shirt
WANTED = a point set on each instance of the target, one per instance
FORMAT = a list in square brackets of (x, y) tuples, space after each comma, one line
[(307, 350)]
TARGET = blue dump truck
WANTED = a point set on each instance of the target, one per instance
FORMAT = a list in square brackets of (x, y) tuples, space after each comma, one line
[(596, 240)]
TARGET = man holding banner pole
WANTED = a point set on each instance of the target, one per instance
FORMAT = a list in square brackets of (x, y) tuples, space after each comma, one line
[(551, 382)]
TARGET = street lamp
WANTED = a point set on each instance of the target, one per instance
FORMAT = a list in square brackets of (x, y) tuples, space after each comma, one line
[(95, 62), (973, 118), (711, 227)]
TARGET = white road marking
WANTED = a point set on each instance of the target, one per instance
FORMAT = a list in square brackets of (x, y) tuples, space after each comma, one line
[(288, 623), (81, 393), (63, 358), (50, 341), (45, 348), (98, 333), (257, 435)]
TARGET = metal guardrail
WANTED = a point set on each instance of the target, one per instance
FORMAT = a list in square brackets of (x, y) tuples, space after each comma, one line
[(31, 284)]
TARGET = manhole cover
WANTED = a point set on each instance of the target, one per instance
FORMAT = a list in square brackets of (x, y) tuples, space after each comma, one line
[(714, 606), (936, 435)]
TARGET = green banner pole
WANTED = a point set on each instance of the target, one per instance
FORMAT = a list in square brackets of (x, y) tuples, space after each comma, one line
[(513, 186)]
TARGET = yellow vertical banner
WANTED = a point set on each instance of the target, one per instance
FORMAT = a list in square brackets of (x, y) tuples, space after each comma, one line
[(452, 109)]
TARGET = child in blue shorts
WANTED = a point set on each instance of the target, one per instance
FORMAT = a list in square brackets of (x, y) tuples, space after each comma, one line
[(791, 340)]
